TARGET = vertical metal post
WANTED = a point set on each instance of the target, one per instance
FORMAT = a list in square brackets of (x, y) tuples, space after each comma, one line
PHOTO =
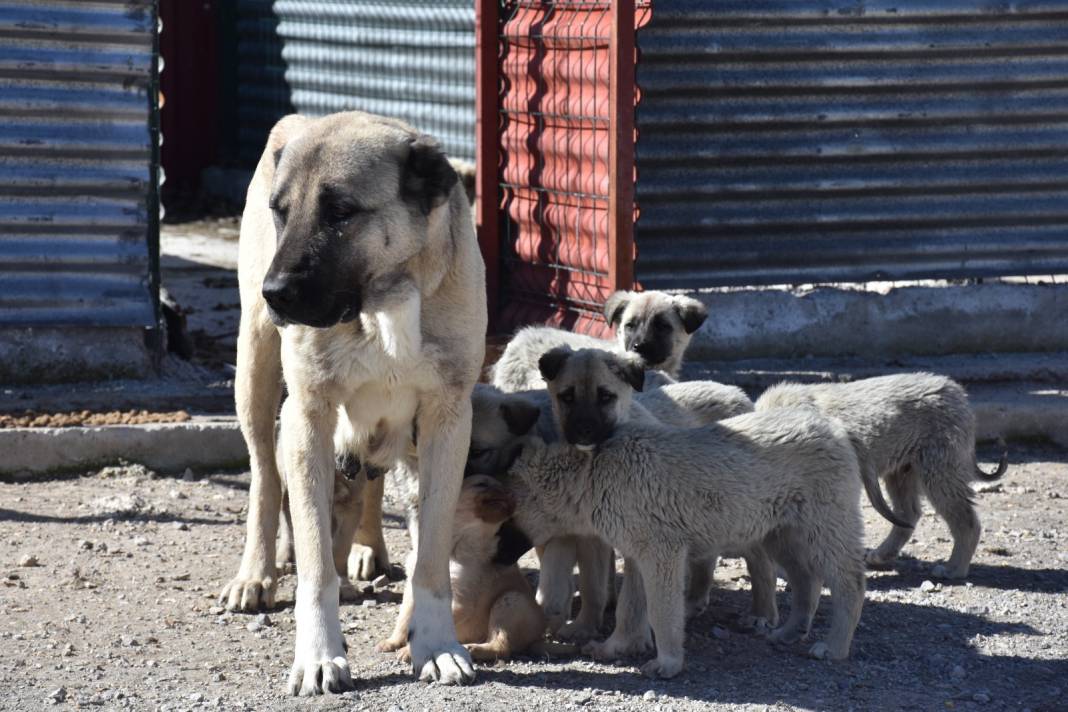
[(487, 180), (621, 147)]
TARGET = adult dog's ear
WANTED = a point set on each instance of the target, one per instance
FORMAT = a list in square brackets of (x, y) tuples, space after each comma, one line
[(552, 361), (627, 369), (692, 313), (428, 175), (285, 130), (519, 414), (614, 307)]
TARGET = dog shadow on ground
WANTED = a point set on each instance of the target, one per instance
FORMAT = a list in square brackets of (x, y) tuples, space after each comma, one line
[(888, 668), (1006, 577)]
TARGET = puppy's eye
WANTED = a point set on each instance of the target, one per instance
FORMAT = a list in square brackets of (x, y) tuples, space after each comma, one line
[(661, 325), (630, 326), (605, 397), (567, 396), (474, 454), (278, 210)]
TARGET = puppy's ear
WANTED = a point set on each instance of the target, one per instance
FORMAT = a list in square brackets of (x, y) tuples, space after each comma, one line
[(466, 172), (428, 175), (494, 505), (614, 307), (692, 313), (519, 414), (552, 361), (627, 369)]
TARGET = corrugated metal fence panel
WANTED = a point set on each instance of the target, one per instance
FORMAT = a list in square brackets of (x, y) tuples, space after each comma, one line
[(783, 141), (262, 92), (411, 59), (75, 163)]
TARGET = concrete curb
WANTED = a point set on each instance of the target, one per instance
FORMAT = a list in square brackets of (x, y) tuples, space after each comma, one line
[(201, 444)]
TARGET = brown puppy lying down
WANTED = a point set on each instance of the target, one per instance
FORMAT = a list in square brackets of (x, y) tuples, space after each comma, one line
[(493, 606)]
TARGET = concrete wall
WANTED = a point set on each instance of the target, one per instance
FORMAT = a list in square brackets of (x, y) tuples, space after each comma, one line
[(917, 320), (66, 355)]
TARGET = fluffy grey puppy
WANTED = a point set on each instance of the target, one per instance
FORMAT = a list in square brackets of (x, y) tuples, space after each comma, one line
[(787, 482), (655, 326), (917, 432)]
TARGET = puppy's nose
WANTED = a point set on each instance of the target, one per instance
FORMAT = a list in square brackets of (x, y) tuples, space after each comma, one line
[(644, 349), (280, 291)]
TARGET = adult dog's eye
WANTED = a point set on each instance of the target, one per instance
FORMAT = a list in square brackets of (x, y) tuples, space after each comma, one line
[(337, 213), (567, 396), (605, 397)]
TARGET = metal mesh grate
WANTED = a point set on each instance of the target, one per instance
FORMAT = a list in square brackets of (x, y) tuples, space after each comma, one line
[(555, 129)]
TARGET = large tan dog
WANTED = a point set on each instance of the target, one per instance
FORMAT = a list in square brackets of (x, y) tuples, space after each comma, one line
[(362, 283)]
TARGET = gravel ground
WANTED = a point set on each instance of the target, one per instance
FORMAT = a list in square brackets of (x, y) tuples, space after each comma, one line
[(108, 601)]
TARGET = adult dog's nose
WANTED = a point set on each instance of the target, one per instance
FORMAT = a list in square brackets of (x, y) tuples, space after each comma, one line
[(280, 291)]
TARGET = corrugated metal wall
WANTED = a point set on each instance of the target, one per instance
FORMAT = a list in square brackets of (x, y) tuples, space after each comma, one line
[(262, 92), (409, 59), (77, 183), (785, 141)]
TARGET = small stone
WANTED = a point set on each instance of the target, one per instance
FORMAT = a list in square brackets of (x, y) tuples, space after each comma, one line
[(720, 633), (188, 475), (218, 677), (85, 544), (649, 695), (369, 603), (180, 526), (957, 672), (216, 610), (254, 626), (196, 697), (68, 650), (988, 487), (263, 620), (176, 494), (129, 641), (30, 560), (395, 708), (981, 697), (927, 586), (381, 582), (140, 541), (58, 695)]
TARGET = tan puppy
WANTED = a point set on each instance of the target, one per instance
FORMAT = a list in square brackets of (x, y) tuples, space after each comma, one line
[(786, 481), (363, 286), (916, 431), (493, 605), (654, 326)]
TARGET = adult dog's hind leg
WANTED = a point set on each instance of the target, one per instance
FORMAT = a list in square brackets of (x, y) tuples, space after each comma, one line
[(319, 663), (444, 437), (257, 392)]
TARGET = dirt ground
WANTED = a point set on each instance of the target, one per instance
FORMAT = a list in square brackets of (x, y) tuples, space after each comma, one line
[(109, 586)]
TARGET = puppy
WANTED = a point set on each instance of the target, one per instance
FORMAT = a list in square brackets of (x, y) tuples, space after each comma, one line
[(917, 432), (493, 606), (787, 482), (655, 326)]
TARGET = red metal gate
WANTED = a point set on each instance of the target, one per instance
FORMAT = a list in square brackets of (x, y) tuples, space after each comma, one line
[(556, 211)]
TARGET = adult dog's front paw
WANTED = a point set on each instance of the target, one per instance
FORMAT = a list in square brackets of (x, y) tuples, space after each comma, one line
[(436, 654), (249, 593), (316, 672)]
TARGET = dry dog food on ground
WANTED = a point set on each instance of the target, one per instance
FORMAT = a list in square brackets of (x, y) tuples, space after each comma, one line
[(73, 419)]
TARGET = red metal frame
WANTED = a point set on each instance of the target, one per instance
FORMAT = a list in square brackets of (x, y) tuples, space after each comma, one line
[(621, 148), (555, 100), (487, 151)]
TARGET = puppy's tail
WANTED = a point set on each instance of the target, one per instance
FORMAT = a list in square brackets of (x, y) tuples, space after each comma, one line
[(875, 496), (550, 649), (1003, 465)]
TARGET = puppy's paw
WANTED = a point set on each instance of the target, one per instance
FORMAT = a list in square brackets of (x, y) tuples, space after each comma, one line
[(314, 675), (392, 644), (879, 561), (404, 655), (942, 571), (662, 667), (347, 592), (618, 647), (785, 635), (250, 593), (757, 625), (576, 632), (364, 564), (819, 651)]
